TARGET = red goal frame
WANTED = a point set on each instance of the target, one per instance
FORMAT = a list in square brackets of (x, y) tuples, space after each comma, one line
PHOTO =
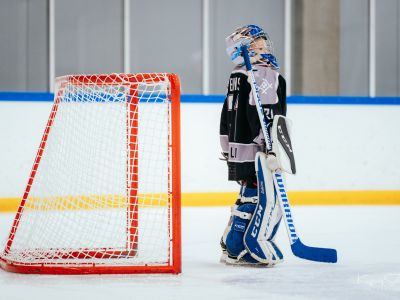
[(174, 182)]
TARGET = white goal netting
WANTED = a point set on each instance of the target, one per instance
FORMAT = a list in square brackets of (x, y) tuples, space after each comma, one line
[(100, 188)]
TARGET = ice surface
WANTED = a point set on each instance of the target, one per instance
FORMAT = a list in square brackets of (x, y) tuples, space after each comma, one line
[(367, 240)]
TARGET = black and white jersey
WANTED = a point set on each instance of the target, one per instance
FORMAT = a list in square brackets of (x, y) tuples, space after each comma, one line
[(240, 131)]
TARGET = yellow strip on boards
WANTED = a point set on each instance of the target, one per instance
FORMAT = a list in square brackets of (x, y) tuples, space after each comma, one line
[(302, 198), (228, 198)]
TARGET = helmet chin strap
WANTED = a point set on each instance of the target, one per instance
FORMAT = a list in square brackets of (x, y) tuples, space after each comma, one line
[(271, 59)]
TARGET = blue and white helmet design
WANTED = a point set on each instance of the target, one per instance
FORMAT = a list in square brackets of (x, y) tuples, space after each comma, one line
[(260, 46)]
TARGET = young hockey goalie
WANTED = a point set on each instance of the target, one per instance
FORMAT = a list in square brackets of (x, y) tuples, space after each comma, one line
[(249, 237)]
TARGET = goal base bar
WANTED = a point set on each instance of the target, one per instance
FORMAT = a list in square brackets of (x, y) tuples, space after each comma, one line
[(76, 269)]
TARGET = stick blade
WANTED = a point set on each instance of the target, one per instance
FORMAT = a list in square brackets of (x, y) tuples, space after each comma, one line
[(313, 253)]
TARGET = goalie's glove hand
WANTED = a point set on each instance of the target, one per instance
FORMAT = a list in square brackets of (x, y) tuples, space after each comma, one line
[(272, 161), (224, 156)]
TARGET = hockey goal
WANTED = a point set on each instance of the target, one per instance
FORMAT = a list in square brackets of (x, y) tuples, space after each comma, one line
[(103, 195)]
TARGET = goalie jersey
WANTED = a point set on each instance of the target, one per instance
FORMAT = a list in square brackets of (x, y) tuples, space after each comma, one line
[(240, 131)]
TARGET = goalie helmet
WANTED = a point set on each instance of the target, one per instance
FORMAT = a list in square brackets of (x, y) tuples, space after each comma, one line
[(260, 46)]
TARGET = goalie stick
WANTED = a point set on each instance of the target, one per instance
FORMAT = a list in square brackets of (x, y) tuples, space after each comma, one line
[(298, 248)]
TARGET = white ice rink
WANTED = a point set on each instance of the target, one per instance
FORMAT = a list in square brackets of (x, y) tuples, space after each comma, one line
[(367, 240)]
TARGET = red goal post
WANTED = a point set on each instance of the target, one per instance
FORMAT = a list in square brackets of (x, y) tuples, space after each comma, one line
[(104, 194)]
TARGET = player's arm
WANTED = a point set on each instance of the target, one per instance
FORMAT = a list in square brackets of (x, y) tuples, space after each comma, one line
[(281, 91), (224, 130)]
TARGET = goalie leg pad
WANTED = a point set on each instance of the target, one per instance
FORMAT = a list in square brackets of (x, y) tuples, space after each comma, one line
[(246, 195), (241, 216), (260, 233)]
